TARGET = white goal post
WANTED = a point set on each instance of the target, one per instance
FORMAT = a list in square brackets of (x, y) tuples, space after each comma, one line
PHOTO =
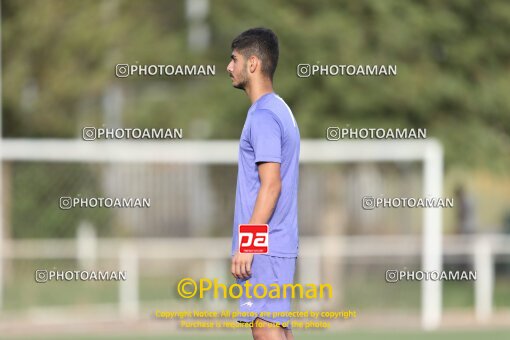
[(429, 152)]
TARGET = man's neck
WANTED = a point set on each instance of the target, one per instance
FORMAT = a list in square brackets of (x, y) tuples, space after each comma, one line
[(254, 92)]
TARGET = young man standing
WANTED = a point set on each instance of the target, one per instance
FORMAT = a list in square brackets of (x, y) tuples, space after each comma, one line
[(267, 182)]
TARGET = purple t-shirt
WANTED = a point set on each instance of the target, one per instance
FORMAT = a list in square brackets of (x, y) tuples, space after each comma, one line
[(270, 134)]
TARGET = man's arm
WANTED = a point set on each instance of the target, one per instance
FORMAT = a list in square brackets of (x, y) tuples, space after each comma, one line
[(269, 191)]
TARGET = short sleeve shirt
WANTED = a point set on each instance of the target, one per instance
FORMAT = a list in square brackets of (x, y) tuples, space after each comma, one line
[(270, 134)]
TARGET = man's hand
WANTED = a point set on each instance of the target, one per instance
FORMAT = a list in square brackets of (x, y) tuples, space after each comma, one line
[(241, 265)]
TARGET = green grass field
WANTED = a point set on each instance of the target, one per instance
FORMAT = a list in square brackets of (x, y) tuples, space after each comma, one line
[(383, 335), (365, 293), (364, 290)]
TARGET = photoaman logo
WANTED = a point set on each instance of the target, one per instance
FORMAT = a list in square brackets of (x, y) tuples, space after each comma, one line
[(254, 238)]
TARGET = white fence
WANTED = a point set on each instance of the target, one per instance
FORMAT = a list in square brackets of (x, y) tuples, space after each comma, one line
[(429, 152), (88, 250)]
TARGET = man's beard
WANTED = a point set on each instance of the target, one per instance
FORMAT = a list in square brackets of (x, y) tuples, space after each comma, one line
[(241, 85)]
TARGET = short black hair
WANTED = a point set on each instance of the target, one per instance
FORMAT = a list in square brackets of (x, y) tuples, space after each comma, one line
[(261, 42)]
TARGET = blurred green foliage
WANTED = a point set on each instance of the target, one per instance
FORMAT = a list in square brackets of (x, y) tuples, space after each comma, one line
[(453, 59), (36, 191)]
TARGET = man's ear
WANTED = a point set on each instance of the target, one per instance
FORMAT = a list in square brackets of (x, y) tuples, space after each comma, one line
[(253, 63)]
